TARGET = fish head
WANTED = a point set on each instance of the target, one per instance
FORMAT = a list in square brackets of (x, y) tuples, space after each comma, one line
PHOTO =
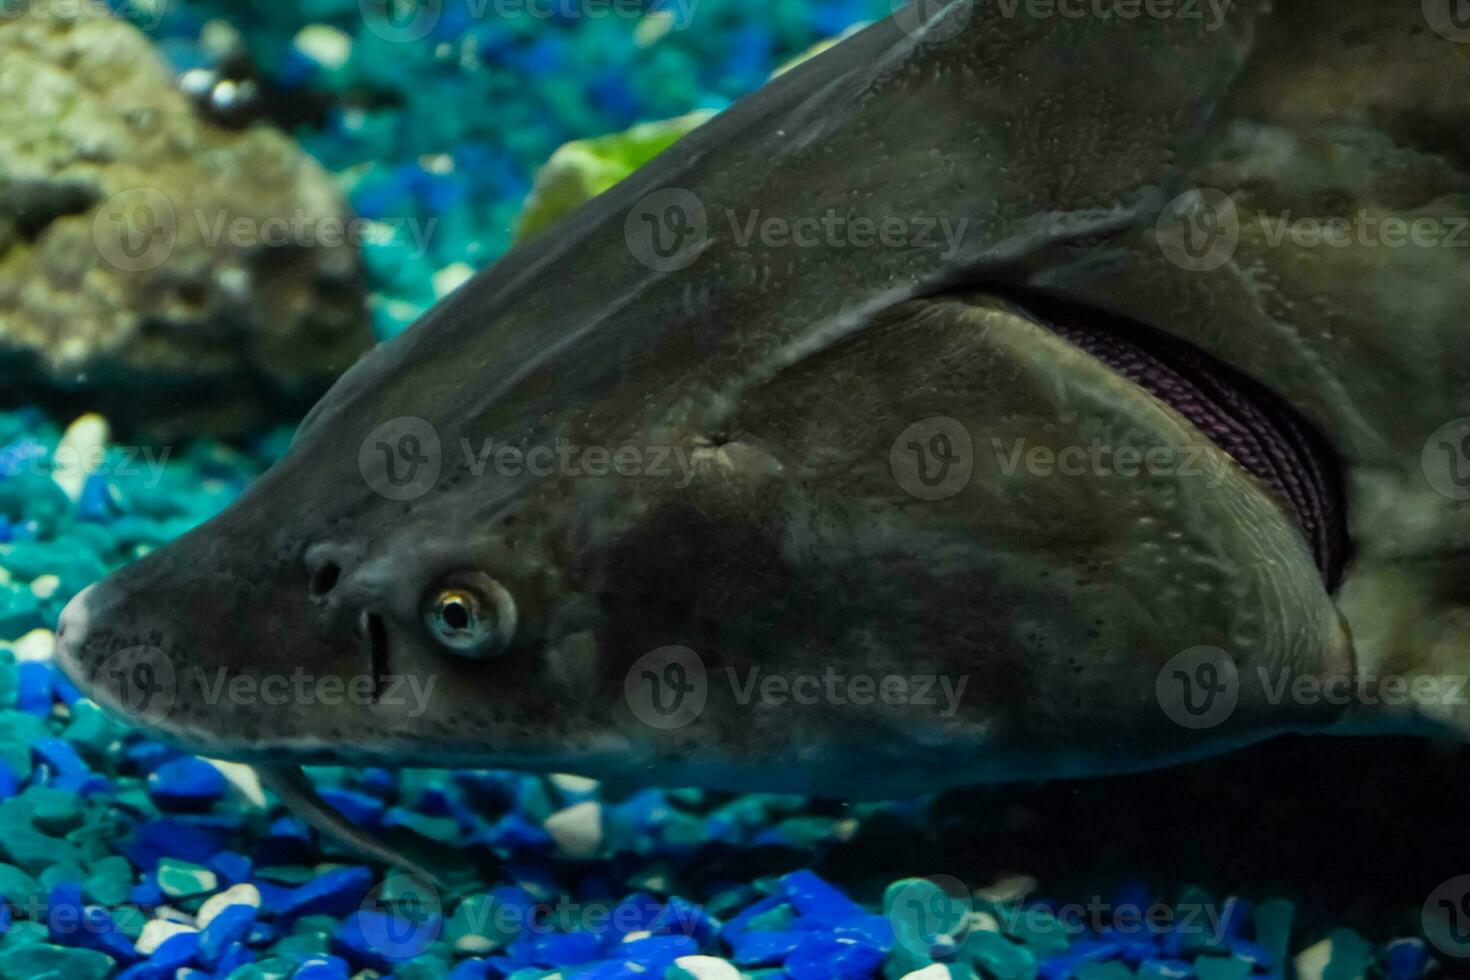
[(376, 596)]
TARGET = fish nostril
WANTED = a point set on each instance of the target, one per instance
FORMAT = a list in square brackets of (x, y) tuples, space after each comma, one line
[(325, 578)]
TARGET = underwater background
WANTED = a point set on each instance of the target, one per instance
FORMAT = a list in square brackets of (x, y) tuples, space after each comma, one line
[(152, 364)]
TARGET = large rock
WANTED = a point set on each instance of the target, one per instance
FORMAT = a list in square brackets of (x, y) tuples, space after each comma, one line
[(178, 276)]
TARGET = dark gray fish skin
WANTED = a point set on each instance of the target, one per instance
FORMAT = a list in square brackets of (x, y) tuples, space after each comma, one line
[(786, 375)]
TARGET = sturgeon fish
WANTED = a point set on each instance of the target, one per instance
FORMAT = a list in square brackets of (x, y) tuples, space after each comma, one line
[(999, 394)]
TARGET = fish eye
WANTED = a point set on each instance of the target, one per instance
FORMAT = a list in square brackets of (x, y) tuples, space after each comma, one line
[(470, 614)]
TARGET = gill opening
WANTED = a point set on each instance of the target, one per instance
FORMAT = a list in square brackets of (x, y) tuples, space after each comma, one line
[(373, 634)]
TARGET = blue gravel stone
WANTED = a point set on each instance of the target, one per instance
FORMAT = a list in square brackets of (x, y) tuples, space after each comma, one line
[(58, 756), (657, 951), (34, 687), (185, 784), (335, 893), (232, 868), (765, 948), (557, 949), (172, 955), (362, 809), (154, 839), (379, 940), (230, 926), (146, 756), (474, 970), (1159, 969), (321, 968), (1406, 959), (824, 959), (233, 959), (818, 901)]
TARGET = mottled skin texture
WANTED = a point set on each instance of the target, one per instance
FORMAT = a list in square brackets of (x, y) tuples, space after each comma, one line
[(788, 373)]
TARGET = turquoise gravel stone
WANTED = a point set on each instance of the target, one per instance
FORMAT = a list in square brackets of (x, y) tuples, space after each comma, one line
[(28, 848), (181, 879), (110, 882), (1352, 955), (54, 811), (480, 926), (33, 960), (1273, 920), (19, 887), (64, 873), (1110, 970), (92, 732), (17, 731), (1221, 968), (25, 933), (1037, 928), (274, 968), (303, 945), (425, 967), (129, 920), (997, 956), (9, 678)]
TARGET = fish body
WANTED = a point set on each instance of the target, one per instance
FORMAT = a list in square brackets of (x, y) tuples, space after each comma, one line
[(965, 405)]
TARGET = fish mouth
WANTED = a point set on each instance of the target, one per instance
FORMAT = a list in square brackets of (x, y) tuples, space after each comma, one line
[(1258, 429)]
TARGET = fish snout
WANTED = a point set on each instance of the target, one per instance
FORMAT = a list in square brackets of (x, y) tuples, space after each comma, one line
[(130, 673), (71, 635)]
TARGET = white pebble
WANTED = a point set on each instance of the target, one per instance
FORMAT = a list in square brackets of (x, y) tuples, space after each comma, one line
[(155, 931), (1008, 891), (80, 453), (35, 645), (1312, 961), (982, 921), (242, 894), (45, 586), (577, 830), (327, 46), (451, 277), (574, 785), (170, 914), (243, 779), (707, 968), (934, 971)]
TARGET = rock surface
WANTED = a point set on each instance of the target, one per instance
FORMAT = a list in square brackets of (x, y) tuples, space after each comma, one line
[(179, 276)]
